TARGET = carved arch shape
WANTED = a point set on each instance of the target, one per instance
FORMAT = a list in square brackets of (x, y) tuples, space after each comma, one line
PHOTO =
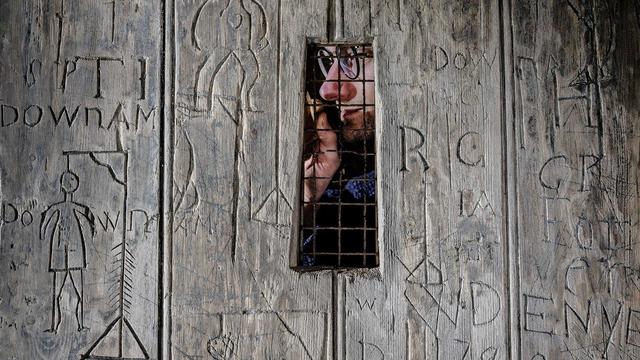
[(258, 43), (209, 71)]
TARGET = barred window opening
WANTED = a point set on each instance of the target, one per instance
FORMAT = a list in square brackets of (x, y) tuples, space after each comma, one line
[(338, 205)]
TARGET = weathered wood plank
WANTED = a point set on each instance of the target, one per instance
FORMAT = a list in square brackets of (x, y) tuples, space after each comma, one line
[(507, 199), (79, 243), (576, 117), (441, 293), (239, 105)]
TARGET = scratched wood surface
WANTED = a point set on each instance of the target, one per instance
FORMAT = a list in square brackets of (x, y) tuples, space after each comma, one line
[(79, 166), (153, 149), (441, 293), (575, 169), (238, 95)]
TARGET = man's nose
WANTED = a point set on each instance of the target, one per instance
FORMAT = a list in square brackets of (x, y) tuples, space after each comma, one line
[(333, 90)]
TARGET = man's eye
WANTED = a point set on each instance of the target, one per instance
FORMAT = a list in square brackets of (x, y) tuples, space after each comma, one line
[(325, 65)]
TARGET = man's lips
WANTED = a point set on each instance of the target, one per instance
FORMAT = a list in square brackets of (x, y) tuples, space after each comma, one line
[(348, 114)]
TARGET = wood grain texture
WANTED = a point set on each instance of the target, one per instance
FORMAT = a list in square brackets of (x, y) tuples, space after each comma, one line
[(576, 172), (441, 290), (508, 164), (82, 77), (237, 141)]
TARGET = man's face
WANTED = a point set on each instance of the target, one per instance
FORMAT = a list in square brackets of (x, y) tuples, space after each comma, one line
[(354, 97)]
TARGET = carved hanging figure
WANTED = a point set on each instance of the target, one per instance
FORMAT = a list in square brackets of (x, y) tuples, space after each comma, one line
[(227, 31), (65, 224)]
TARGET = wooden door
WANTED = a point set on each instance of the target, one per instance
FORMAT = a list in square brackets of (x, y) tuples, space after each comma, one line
[(150, 171)]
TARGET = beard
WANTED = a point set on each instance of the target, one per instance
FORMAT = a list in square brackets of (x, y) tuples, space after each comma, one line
[(361, 128)]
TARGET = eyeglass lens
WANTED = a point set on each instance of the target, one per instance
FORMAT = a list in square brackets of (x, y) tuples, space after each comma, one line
[(348, 61)]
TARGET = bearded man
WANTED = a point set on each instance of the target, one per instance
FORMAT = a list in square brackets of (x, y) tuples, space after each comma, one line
[(339, 205)]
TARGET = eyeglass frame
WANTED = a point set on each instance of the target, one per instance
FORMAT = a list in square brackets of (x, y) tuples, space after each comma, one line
[(343, 66)]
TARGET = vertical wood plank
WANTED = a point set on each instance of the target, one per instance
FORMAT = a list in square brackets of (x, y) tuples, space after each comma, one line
[(508, 199), (79, 138), (576, 161), (441, 291), (239, 98)]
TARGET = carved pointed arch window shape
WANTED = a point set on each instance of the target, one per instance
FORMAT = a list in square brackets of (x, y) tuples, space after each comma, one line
[(338, 207)]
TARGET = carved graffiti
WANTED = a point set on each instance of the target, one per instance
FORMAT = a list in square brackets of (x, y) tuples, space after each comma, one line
[(66, 225), (468, 59), (64, 221), (370, 351), (472, 205), (469, 150), (241, 32), (221, 347), (133, 118), (407, 149), (534, 315)]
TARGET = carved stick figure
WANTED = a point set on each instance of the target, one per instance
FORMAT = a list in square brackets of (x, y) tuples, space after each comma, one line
[(65, 225)]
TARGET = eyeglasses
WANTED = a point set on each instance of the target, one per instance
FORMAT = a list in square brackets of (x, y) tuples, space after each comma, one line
[(348, 58)]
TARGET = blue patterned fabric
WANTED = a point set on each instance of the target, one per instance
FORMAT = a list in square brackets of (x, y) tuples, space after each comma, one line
[(307, 260), (358, 187), (361, 186)]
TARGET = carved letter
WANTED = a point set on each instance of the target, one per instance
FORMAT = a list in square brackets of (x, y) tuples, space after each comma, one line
[(366, 303), (609, 325), (528, 314), (406, 150), (146, 220), (553, 186), (440, 57), (30, 76), (70, 120), (584, 228), (98, 111), (99, 61), (482, 203), (3, 119), (633, 315), (119, 116), (615, 232), (583, 323), (374, 354), (485, 303), (67, 71), (576, 264), (585, 185), (108, 222), (26, 118), (470, 136), (548, 221), (6, 220), (145, 116), (143, 78), (457, 63), (26, 218)]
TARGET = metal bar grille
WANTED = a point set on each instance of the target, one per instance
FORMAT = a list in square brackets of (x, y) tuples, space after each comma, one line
[(339, 210)]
